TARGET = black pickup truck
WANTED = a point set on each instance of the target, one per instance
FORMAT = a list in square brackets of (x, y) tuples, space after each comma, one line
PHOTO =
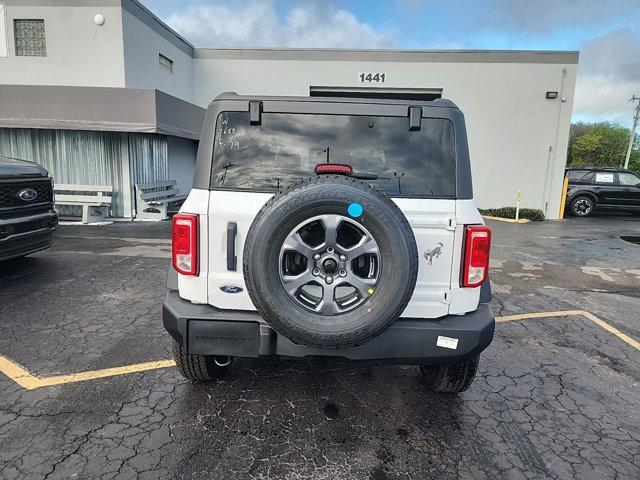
[(27, 216)]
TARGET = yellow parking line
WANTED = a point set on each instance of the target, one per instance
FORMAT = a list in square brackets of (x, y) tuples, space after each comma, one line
[(18, 374), (27, 380), (107, 372), (572, 313)]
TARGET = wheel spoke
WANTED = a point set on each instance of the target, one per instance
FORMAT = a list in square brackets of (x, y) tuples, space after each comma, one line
[(331, 224), (365, 245), (293, 282), (327, 305), (295, 243)]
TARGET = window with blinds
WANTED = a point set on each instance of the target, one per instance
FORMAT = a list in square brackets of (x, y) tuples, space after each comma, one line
[(30, 38), (165, 63)]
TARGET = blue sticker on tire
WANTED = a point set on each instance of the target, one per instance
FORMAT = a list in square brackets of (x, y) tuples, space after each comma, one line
[(355, 210)]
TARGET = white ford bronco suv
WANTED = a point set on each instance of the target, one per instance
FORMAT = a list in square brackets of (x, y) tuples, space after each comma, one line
[(331, 227)]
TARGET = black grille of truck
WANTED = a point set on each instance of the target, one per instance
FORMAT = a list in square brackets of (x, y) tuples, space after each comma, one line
[(12, 205)]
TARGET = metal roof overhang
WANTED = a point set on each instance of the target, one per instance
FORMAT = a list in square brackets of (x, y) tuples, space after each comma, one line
[(100, 109)]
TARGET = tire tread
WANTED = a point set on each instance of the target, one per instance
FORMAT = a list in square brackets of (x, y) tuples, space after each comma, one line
[(196, 367), (454, 378)]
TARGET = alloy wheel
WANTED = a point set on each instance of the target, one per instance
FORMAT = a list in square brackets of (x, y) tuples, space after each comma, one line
[(330, 264)]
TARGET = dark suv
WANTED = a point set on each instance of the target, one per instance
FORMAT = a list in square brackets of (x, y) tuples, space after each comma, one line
[(592, 189), (27, 216)]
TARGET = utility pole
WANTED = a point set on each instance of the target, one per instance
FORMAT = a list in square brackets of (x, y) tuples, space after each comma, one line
[(636, 117)]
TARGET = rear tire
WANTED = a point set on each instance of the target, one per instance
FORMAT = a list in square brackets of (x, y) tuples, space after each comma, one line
[(582, 206), (201, 368), (450, 378)]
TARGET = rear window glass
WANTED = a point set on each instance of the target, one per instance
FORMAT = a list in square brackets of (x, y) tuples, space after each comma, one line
[(286, 148), (577, 175)]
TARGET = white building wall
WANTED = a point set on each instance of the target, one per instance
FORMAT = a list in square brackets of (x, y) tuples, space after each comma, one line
[(516, 135), (79, 52), (142, 70)]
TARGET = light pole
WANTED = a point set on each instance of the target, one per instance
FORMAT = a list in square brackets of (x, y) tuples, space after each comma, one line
[(633, 130)]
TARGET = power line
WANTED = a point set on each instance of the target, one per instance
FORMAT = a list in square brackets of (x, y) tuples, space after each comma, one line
[(610, 108)]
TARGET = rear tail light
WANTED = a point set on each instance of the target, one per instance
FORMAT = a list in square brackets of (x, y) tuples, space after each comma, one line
[(184, 248), (477, 243)]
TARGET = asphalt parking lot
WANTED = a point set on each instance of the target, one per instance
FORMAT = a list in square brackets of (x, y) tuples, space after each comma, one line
[(556, 396)]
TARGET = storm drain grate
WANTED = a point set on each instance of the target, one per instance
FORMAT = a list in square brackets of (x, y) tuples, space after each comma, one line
[(631, 239)]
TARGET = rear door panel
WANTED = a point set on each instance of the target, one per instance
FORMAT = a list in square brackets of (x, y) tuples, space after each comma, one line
[(605, 185), (226, 207), (433, 224), (628, 195)]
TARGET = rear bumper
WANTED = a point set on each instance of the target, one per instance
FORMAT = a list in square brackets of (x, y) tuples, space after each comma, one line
[(25, 235), (206, 330)]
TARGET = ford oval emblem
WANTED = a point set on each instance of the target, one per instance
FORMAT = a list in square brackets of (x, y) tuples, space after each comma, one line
[(27, 195), (230, 289)]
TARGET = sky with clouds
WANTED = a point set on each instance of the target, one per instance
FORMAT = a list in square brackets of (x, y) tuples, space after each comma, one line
[(606, 32)]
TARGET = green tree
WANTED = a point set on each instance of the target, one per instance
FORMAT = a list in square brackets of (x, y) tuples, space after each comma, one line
[(634, 163), (601, 144)]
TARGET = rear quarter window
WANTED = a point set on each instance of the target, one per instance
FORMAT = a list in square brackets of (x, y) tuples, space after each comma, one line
[(286, 148), (577, 175), (628, 179)]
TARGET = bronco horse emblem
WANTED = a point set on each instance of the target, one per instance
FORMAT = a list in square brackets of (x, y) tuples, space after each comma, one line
[(435, 253)]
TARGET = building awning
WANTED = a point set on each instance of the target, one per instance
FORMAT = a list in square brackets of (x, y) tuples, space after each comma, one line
[(98, 108)]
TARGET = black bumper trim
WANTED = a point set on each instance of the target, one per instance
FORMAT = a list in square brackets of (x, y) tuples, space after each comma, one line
[(26, 245), (26, 235), (206, 330)]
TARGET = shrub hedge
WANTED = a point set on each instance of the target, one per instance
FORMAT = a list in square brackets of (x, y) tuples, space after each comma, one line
[(510, 212)]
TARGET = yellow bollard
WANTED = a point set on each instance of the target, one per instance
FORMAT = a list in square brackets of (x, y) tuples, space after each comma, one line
[(563, 200)]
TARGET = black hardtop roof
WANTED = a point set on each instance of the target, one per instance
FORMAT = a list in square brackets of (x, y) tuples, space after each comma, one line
[(600, 169), (437, 103)]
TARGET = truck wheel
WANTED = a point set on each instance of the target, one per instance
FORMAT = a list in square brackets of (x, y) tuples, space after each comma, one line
[(582, 206), (454, 378), (330, 262), (197, 367)]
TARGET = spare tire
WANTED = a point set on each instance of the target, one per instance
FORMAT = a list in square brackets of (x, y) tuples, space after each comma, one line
[(330, 262)]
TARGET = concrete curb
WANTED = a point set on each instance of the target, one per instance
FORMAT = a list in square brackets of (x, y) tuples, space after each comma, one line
[(507, 220)]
